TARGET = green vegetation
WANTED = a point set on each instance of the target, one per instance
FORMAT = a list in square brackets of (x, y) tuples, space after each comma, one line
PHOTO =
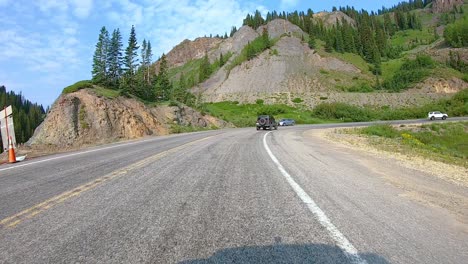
[(410, 39), (360, 87), (446, 142), (107, 93), (343, 112), (380, 130), (457, 33), (354, 59), (252, 49), (410, 72), (245, 115), (297, 100), (455, 106), (82, 116), (389, 68), (78, 86)]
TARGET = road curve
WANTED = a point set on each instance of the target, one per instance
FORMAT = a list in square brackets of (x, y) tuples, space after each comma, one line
[(227, 196)]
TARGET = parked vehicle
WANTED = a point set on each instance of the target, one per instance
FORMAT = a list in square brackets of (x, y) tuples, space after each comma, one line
[(287, 122), (266, 121), (437, 115)]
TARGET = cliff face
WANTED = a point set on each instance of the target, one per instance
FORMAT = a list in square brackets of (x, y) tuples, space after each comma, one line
[(82, 118), (440, 6)]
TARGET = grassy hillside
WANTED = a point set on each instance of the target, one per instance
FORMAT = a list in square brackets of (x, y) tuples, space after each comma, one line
[(244, 115)]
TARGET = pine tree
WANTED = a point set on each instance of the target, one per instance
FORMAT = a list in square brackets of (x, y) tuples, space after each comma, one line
[(131, 59), (99, 71), (205, 69), (163, 85), (233, 31), (221, 60), (143, 53), (114, 58), (149, 58), (339, 43), (128, 85), (266, 38), (329, 43), (312, 42), (388, 25)]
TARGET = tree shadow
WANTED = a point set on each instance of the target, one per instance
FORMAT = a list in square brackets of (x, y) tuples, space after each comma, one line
[(284, 253)]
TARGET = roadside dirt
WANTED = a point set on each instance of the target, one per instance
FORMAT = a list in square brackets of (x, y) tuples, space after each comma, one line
[(437, 184)]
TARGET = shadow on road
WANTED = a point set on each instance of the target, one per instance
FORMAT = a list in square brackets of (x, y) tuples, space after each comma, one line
[(281, 253)]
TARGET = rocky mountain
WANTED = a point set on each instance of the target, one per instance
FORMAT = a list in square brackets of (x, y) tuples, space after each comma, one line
[(84, 118), (440, 6), (293, 70)]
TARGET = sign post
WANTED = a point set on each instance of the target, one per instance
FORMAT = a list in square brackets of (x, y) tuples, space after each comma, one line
[(7, 128)]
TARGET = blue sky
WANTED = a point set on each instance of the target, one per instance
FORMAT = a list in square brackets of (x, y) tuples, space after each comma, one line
[(46, 45)]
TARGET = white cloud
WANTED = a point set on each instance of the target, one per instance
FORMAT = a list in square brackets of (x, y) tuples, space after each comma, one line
[(50, 6), (166, 24), (82, 8), (288, 4)]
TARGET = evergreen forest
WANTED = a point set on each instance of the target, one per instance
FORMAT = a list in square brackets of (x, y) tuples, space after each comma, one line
[(26, 115)]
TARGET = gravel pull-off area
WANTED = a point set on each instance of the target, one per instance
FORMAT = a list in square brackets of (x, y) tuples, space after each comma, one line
[(449, 172), (429, 182)]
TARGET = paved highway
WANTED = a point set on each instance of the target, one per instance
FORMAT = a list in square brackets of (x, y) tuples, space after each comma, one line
[(227, 196)]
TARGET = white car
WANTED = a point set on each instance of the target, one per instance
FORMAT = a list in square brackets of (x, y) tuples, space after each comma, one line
[(437, 115)]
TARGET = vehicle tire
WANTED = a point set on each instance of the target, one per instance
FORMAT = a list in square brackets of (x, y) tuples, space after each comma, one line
[(262, 121), (258, 128), (432, 118), (444, 117)]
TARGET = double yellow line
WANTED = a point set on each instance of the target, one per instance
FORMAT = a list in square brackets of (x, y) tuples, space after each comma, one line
[(14, 220)]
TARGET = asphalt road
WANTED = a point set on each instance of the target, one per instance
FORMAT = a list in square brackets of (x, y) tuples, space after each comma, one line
[(227, 196)]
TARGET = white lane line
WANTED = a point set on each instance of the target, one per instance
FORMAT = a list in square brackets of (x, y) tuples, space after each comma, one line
[(348, 249), (76, 154)]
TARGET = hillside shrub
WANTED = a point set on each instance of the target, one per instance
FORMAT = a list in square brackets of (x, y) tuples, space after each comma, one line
[(272, 110), (359, 88), (342, 111), (384, 130), (411, 72), (297, 100), (251, 50), (77, 86), (456, 34), (259, 101)]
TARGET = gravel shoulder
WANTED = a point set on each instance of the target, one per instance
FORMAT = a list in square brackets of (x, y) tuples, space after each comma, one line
[(452, 173), (433, 183)]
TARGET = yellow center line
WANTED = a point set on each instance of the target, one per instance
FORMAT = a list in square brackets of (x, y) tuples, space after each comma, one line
[(14, 220)]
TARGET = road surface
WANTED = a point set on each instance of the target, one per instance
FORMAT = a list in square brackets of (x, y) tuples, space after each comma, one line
[(226, 196)]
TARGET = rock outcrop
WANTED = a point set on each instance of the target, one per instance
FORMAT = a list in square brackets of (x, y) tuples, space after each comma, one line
[(189, 50), (331, 18), (83, 118), (440, 6)]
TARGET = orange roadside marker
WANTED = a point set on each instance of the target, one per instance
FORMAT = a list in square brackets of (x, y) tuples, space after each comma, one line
[(11, 152)]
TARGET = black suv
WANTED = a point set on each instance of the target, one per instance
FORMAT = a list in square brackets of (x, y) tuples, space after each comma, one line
[(266, 121)]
